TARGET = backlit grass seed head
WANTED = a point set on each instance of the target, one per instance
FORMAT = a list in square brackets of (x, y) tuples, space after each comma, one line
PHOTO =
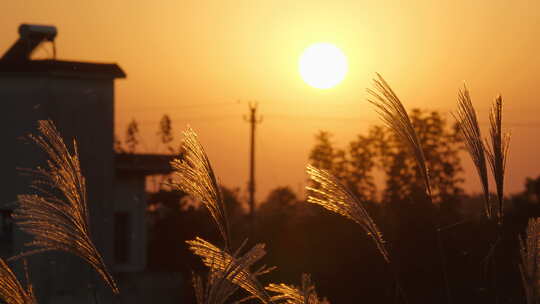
[(334, 196), (59, 221), (193, 175), (498, 153), (234, 268), (306, 294), (530, 261), (470, 131), (198, 287), (11, 290), (393, 114), (217, 290)]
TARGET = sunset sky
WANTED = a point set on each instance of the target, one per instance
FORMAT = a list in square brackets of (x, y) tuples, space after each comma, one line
[(202, 61)]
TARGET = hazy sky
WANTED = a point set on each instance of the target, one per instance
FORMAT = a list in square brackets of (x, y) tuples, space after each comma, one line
[(196, 59)]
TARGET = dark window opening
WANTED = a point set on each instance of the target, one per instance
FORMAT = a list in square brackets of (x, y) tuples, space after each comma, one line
[(122, 232), (6, 225)]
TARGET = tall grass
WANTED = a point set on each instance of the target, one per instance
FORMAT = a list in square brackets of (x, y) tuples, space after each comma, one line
[(393, 114), (530, 261), (306, 294), (498, 153), (233, 268), (496, 149), (57, 216), (332, 195), (11, 290), (193, 174), (470, 131)]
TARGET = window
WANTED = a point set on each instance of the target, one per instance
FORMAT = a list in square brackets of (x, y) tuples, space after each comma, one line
[(122, 232), (6, 225)]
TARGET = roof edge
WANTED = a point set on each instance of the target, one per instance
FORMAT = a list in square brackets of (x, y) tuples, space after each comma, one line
[(62, 68)]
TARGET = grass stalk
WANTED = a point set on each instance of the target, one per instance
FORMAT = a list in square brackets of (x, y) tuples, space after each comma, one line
[(57, 215), (498, 154), (332, 195), (11, 290), (470, 131), (193, 174), (393, 114)]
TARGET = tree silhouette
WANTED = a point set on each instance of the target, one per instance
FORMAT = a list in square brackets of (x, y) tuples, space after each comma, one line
[(323, 155), (381, 149), (441, 146), (353, 166), (165, 133), (132, 137)]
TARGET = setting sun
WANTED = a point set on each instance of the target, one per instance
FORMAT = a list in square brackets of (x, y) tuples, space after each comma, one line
[(323, 65)]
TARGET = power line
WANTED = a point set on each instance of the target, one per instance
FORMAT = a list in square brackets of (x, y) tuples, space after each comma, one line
[(179, 107), (347, 119), (191, 118), (318, 118)]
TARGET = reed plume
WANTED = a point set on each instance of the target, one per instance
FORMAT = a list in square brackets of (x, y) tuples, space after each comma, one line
[(217, 289), (11, 290), (530, 258), (393, 114), (306, 294), (193, 175), (198, 287), (470, 131), (498, 153), (57, 216), (234, 268), (332, 195)]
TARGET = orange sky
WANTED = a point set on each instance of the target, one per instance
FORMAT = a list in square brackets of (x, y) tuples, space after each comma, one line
[(195, 59)]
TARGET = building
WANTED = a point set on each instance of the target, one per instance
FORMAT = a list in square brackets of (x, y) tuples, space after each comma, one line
[(79, 98), (129, 208)]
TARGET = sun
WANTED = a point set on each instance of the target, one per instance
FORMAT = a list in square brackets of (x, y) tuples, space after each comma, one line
[(323, 65)]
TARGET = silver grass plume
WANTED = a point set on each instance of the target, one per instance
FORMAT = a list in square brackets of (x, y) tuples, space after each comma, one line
[(217, 290), (233, 268), (393, 114), (470, 130), (530, 258), (293, 295), (11, 290), (497, 153), (193, 175), (57, 216), (334, 196), (198, 287)]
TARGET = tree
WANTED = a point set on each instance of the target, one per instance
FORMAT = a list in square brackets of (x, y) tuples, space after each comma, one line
[(323, 155), (441, 146), (532, 187), (165, 133), (132, 137), (353, 167), (381, 149), (278, 202), (403, 192), (360, 164), (117, 145)]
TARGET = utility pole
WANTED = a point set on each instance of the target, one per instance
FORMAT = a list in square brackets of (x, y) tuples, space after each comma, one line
[(253, 121)]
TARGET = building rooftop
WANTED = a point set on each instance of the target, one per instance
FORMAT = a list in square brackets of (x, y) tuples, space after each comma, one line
[(17, 59), (59, 68), (143, 164)]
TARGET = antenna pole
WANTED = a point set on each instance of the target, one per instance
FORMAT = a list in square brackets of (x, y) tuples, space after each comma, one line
[(253, 121)]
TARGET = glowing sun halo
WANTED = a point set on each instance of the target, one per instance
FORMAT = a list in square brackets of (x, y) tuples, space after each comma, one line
[(323, 65)]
